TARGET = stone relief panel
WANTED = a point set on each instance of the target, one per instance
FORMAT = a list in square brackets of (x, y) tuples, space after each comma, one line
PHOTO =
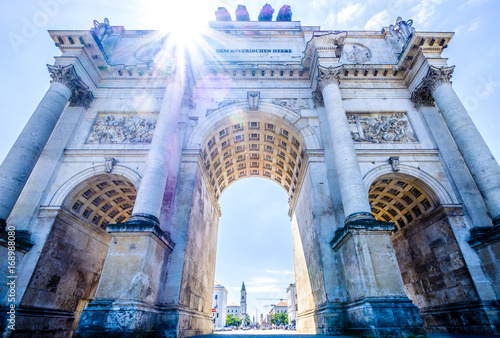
[(381, 128), (123, 128)]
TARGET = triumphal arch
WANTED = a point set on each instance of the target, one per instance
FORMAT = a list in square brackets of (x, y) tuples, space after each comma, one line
[(109, 197)]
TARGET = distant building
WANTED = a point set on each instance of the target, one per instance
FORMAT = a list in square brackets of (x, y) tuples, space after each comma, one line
[(243, 305), (219, 305), (291, 295), (279, 308), (234, 309)]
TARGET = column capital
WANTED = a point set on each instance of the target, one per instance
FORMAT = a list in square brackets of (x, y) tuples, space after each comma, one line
[(422, 96), (328, 76), (437, 76), (81, 95)]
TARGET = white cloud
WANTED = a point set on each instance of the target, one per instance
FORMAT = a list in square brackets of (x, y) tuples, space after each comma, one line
[(264, 289), (425, 12), (476, 2), (475, 24), (350, 13), (379, 20)]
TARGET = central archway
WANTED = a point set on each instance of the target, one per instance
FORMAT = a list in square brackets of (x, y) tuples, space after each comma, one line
[(276, 144)]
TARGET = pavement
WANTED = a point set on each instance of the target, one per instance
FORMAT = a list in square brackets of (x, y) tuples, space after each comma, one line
[(294, 334)]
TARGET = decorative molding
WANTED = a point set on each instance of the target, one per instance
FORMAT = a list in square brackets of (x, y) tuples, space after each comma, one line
[(328, 76), (63, 74), (117, 128), (381, 128), (81, 94), (318, 99), (422, 96), (109, 163), (394, 162), (295, 105), (437, 76), (253, 100)]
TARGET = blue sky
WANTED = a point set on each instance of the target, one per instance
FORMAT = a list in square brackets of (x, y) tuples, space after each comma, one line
[(27, 48)]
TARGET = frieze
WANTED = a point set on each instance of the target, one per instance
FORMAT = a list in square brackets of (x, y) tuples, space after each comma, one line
[(123, 128), (381, 128)]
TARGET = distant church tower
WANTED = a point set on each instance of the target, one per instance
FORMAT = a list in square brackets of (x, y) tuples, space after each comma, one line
[(243, 305)]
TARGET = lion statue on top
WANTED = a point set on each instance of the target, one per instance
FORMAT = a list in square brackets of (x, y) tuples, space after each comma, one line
[(285, 14)]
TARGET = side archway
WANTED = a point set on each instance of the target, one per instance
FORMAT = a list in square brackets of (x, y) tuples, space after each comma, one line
[(431, 263), (72, 259)]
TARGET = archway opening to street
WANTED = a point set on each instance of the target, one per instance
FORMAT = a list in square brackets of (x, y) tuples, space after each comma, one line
[(255, 247), (236, 144), (432, 267), (70, 265)]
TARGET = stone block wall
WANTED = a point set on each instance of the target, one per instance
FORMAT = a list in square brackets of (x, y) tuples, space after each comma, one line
[(68, 271), (436, 277)]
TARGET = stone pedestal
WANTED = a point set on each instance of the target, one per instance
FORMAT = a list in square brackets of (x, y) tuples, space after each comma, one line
[(134, 271), (377, 304)]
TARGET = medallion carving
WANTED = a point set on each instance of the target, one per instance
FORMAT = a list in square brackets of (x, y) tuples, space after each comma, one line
[(117, 128), (358, 53), (381, 128)]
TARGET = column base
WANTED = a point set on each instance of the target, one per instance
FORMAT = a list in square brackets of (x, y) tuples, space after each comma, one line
[(143, 223), (383, 317), (351, 225), (111, 318), (481, 236), (326, 319), (468, 318), (37, 322)]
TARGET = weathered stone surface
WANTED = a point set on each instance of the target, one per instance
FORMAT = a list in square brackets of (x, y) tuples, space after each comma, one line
[(325, 115)]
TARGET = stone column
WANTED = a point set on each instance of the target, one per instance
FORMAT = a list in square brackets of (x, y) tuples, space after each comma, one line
[(21, 159), (377, 304), (351, 184), (163, 149), (127, 302), (482, 165)]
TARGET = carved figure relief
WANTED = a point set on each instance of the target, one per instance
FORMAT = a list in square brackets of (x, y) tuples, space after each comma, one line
[(295, 105), (358, 53), (114, 128), (381, 128)]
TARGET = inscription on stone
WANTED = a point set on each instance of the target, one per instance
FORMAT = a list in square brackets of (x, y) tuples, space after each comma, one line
[(381, 128), (123, 128)]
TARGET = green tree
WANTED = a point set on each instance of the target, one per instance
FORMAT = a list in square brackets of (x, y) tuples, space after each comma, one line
[(232, 320), (279, 318), (248, 320)]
